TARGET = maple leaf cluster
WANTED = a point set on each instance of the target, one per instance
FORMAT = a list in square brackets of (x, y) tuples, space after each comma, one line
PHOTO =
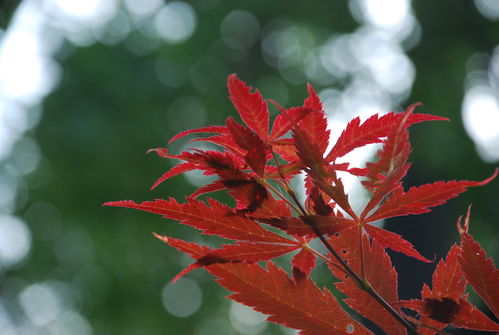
[(255, 166)]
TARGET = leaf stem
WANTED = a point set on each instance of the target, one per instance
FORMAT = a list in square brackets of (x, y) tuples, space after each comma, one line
[(324, 258), (421, 324), (362, 284), (362, 267), (289, 190), (326, 189), (273, 189), (360, 281)]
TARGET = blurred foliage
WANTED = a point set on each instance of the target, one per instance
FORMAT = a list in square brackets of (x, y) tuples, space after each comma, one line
[(111, 106)]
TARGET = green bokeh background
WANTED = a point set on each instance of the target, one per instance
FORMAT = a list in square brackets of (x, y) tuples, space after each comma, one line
[(110, 107)]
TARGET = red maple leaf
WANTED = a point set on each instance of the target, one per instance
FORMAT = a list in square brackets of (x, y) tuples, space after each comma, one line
[(419, 199), (251, 106), (307, 225), (385, 174), (285, 121), (394, 241), (213, 218), (377, 271), (480, 271), (448, 282), (296, 304), (303, 264), (446, 302), (245, 138), (256, 168), (242, 252), (459, 313), (372, 130)]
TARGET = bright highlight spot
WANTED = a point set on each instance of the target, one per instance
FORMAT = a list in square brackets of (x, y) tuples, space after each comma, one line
[(176, 22), (388, 65), (26, 156), (286, 47), (25, 74), (143, 7), (385, 13), (488, 8), (393, 71), (41, 303), (88, 10), (183, 298), (245, 320), (481, 120), (15, 240)]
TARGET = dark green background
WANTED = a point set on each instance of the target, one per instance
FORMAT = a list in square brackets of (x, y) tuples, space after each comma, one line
[(110, 107)]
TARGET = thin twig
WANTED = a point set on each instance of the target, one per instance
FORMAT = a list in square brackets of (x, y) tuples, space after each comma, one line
[(267, 184), (362, 285), (324, 258), (362, 268), (289, 190), (360, 282)]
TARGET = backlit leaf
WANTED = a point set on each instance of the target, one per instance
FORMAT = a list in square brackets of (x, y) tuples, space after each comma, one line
[(446, 302), (209, 129), (192, 249), (385, 174), (251, 106), (394, 241), (225, 141), (243, 252), (308, 150), (174, 171), (448, 281), (257, 170), (448, 278), (286, 120), (372, 130), (246, 252), (480, 272), (255, 156), (314, 124), (213, 219), (226, 165), (302, 225), (459, 313), (379, 273), (295, 304), (303, 263), (419, 199)]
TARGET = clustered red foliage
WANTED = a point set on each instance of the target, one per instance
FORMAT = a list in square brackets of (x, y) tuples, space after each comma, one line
[(256, 166)]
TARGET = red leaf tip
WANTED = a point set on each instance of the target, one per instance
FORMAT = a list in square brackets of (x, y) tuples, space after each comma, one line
[(276, 104), (412, 107), (311, 90), (160, 237), (465, 227), (231, 76), (488, 180), (162, 152), (117, 203), (313, 101)]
